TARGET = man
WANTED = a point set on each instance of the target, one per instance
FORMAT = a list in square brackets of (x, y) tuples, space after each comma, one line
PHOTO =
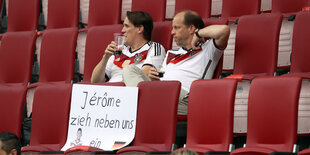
[(9, 144), (77, 141), (189, 62), (138, 50)]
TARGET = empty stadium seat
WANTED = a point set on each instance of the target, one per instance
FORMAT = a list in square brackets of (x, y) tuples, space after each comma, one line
[(56, 59), (202, 7), (98, 38), (272, 116), (233, 9), (104, 12), (300, 67), (62, 14), (300, 46), (50, 118), (23, 15), (257, 40), (16, 55), (12, 99), (57, 55), (162, 34), (157, 9), (210, 115), (256, 52), (287, 7), (156, 117)]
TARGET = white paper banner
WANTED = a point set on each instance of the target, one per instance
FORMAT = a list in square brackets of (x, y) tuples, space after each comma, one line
[(102, 116)]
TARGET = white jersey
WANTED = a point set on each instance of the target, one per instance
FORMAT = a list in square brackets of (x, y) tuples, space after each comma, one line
[(151, 53), (187, 66)]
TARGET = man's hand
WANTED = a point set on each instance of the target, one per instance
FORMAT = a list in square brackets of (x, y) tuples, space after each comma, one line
[(151, 72), (109, 51), (196, 42)]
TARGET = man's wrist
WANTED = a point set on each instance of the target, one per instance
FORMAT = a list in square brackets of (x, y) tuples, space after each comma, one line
[(197, 34)]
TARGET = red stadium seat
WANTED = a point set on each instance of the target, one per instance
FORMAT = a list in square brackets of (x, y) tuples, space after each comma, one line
[(162, 34), (300, 67), (157, 9), (12, 99), (233, 9), (16, 55), (272, 116), (160, 99), (256, 53), (62, 14), (23, 15), (104, 12), (202, 7), (56, 59), (50, 118), (210, 117), (287, 7), (257, 40), (300, 47)]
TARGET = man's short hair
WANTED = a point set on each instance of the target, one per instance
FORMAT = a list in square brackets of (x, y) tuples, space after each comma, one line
[(9, 142), (193, 18), (138, 18)]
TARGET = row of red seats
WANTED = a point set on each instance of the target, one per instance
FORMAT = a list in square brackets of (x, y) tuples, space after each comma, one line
[(63, 14), (272, 118), (58, 47)]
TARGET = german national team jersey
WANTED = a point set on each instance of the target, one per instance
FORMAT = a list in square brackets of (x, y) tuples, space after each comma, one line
[(188, 65), (151, 53)]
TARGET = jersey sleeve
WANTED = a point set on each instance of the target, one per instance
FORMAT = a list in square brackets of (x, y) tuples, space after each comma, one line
[(109, 66), (155, 56)]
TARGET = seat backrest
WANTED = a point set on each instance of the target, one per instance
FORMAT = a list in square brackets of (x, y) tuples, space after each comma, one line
[(156, 115), (23, 15), (58, 55), (12, 99), (202, 7), (104, 12), (256, 46), (156, 9), (98, 38), (287, 6), (300, 44), (162, 34), (272, 112), (231, 8), (50, 115), (211, 114), (62, 14), (16, 56)]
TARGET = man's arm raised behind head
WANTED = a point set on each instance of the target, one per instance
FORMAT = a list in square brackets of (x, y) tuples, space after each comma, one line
[(220, 33)]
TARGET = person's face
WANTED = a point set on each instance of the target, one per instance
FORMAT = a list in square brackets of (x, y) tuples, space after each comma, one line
[(2, 152), (79, 134), (130, 32), (180, 32)]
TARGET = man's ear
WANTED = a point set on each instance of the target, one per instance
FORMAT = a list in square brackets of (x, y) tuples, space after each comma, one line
[(13, 152), (141, 29), (192, 29)]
